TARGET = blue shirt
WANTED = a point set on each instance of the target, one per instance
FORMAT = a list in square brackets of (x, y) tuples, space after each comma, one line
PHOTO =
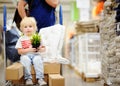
[(43, 13)]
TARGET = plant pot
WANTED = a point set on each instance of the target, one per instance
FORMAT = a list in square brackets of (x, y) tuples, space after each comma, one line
[(36, 45)]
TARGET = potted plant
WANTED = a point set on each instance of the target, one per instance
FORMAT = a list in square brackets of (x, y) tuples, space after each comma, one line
[(36, 40)]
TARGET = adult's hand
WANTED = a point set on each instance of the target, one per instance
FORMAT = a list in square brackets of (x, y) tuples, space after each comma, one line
[(41, 49)]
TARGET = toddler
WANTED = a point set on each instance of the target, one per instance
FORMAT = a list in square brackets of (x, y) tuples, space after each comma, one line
[(29, 55)]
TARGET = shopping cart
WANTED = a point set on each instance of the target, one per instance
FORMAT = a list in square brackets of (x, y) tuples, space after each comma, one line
[(53, 38)]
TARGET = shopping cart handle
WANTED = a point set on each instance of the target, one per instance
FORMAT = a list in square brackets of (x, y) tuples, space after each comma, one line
[(4, 17), (60, 15)]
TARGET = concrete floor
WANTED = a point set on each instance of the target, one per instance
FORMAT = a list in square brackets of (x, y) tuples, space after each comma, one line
[(73, 79)]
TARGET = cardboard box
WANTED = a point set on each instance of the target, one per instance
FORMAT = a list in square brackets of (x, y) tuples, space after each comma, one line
[(49, 68), (18, 82), (56, 80), (34, 78), (46, 78), (14, 72)]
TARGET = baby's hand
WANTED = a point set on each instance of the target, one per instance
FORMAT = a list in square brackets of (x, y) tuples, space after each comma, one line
[(32, 49), (41, 49)]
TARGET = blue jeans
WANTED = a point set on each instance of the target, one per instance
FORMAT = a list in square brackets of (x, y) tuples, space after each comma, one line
[(35, 60)]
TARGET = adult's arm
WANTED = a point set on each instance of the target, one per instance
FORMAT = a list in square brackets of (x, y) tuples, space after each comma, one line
[(52, 3), (21, 8)]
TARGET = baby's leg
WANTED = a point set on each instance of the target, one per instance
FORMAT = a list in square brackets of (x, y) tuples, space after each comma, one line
[(26, 61), (38, 65)]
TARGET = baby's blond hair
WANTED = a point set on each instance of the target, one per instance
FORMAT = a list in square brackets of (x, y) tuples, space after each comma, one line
[(28, 21)]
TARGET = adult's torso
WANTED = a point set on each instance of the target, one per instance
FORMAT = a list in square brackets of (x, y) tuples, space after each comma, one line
[(43, 13)]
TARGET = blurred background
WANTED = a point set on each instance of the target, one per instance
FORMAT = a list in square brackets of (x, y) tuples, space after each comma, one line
[(83, 20)]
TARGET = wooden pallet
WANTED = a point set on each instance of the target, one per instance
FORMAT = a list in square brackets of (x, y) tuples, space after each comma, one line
[(89, 79), (86, 79)]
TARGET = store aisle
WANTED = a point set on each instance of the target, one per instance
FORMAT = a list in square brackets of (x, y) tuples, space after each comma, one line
[(72, 79)]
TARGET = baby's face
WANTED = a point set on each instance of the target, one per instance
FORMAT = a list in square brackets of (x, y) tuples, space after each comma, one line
[(28, 30)]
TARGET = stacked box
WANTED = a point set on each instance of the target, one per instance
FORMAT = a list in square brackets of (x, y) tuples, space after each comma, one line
[(87, 27), (14, 72), (49, 68), (56, 80)]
